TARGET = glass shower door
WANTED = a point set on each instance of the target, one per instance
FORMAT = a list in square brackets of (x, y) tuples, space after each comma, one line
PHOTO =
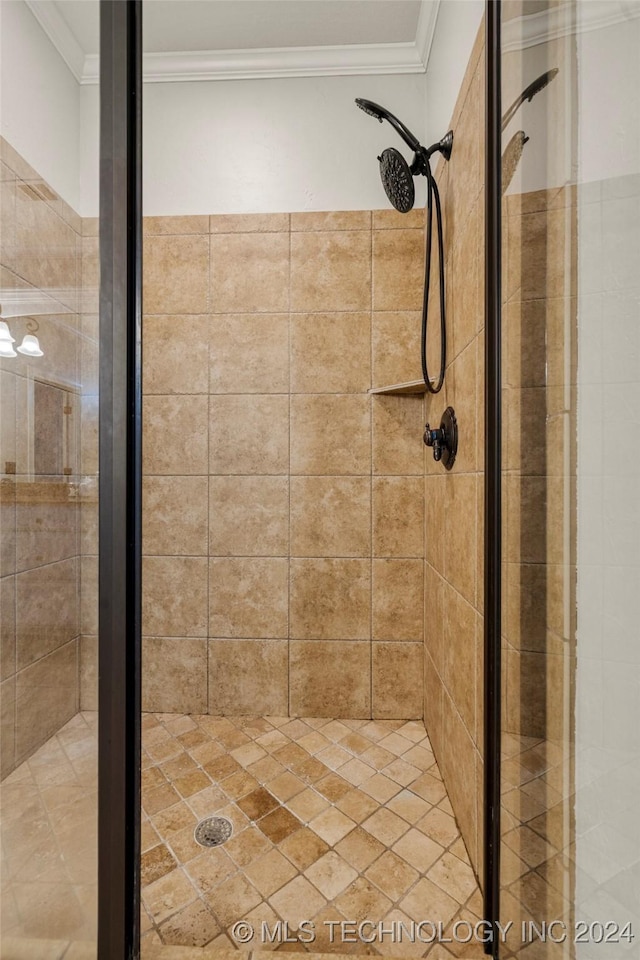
[(571, 508)]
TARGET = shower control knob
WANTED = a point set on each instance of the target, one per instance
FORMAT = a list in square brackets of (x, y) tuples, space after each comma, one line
[(444, 440)]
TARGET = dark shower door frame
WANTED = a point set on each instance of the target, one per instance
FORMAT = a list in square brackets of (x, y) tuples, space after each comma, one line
[(120, 497), (492, 473)]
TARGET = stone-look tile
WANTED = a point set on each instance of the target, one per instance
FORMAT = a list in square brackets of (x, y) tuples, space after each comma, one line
[(175, 516), (8, 520), (330, 435), (330, 352), (460, 777), (194, 925), (88, 587), (46, 610), (395, 347), (249, 353), (175, 432), (156, 863), (7, 726), (462, 388), (270, 872), (169, 894), (331, 270), (46, 527), (297, 901), (88, 673), (174, 596), (248, 676), (398, 269), (172, 346), (398, 517), (460, 655), (331, 874), (363, 900), (329, 679), (46, 697), (249, 273), (331, 220), (249, 516), (389, 219), (397, 671), (174, 674), (248, 597), (461, 542), (398, 426), (398, 600), (176, 274), (8, 627), (469, 290), (442, 905), (249, 222), (279, 824), (330, 517), (330, 598), (392, 875), (249, 434), (174, 226)]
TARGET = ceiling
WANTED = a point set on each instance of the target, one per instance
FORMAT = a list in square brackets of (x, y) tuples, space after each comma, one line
[(190, 25), (239, 39)]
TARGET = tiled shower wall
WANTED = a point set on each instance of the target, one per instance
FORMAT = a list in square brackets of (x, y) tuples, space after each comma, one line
[(283, 505), (454, 501), (40, 255)]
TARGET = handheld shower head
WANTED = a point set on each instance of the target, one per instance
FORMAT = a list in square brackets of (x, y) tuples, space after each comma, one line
[(380, 114), (529, 93)]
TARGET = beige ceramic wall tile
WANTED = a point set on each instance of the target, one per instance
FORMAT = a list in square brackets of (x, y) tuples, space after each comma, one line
[(176, 354), (8, 519), (434, 617), (47, 610), (331, 271), (175, 432), (398, 270), (395, 337), (249, 353), (174, 675), (460, 659), (398, 517), (331, 220), (249, 272), (8, 627), (397, 684), (393, 220), (331, 679), (398, 426), (174, 596), (330, 598), (46, 697), (330, 435), (249, 434), (249, 223), (158, 226), (46, 525), (330, 352), (249, 677), (461, 541), (468, 314), (88, 595), (175, 516), (248, 597), (249, 516), (459, 769), (330, 516), (88, 673), (7, 726), (176, 274), (462, 379), (398, 600)]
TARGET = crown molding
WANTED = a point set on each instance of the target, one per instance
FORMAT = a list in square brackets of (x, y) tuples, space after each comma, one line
[(564, 20), (271, 62), (55, 27), (322, 61)]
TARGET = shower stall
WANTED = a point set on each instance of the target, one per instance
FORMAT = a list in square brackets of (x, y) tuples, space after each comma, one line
[(272, 677)]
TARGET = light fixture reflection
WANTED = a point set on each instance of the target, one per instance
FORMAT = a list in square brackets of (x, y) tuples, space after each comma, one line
[(6, 349), (30, 346), (5, 333)]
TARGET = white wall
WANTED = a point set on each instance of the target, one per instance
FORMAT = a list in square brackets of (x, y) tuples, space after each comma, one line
[(608, 481), (263, 146), (455, 33), (39, 101)]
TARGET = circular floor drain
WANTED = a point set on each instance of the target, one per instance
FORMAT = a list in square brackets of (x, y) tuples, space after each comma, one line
[(213, 831)]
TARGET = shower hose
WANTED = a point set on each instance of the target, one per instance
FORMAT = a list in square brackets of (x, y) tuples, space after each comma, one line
[(433, 198)]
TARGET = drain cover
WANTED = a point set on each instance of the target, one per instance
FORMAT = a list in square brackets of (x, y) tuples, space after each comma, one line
[(213, 831)]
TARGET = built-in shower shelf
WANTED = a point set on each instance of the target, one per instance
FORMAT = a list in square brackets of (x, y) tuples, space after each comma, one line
[(411, 387)]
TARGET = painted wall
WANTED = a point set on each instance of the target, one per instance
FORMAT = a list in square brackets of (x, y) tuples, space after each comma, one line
[(261, 146), (39, 101)]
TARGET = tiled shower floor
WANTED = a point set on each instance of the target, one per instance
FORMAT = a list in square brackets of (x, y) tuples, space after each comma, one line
[(333, 820)]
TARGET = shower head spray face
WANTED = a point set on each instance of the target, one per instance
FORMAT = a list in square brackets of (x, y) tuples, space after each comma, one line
[(397, 179)]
